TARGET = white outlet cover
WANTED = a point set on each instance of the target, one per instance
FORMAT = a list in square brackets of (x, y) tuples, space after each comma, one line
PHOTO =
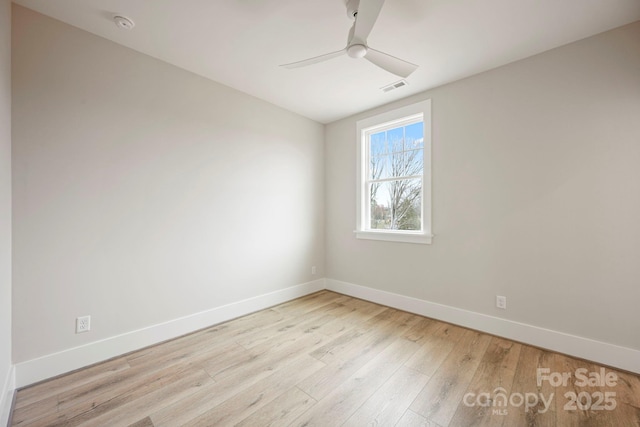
[(501, 302), (83, 324)]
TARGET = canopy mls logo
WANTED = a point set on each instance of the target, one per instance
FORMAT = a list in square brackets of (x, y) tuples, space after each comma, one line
[(499, 400)]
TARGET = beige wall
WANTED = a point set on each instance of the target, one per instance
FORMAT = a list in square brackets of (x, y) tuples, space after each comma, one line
[(536, 194), (5, 197), (143, 192)]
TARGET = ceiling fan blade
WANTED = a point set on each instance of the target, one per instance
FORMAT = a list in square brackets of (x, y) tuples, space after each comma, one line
[(315, 59), (390, 63), (368, 11)]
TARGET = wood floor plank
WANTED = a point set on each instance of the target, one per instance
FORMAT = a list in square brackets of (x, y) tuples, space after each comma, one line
[(264, 360), (35, 410), (439, 399), (220, 334), (234, 355), (585, 405), (335, 326), (314, 301), (120, 385), (231, 382), (127, 413), (348, 353), (495, 372), (281, 411), (383, 326), (340, 320), (628, 388), (174, 383), (389, 403), (145, 422), (422, 330), (199, 402), (525, 381), (245, 403), (66, 382), (324, 359), (364, 307), (569, 418), (338, 342), (181, 350), (440, 342), (369, 341), (280, 331), (132, 378), (411, 419), (341, 403)]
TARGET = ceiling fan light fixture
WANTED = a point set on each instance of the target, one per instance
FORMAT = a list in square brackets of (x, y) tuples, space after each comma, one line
[(357, 51)]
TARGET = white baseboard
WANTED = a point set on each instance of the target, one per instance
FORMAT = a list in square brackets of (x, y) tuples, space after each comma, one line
[(608, 354), (54, 364), (6, 399)]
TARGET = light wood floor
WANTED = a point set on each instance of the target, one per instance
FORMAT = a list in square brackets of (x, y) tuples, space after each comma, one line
[(328, 360)]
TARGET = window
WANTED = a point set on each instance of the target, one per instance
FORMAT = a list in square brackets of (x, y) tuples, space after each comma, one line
[(394, 175)]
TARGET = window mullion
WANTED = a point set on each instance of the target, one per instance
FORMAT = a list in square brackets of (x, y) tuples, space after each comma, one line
[(394, 178)]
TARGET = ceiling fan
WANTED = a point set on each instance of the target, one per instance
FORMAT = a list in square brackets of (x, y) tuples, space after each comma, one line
[(365, 13)]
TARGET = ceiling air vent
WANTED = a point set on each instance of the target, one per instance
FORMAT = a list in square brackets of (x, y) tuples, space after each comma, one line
[(394, 86)]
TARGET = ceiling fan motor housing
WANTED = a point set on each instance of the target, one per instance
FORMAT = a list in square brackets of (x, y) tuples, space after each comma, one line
[(357, 50)]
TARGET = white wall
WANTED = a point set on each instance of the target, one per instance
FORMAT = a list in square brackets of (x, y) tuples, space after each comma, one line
[(143, 192), (5, 208), (536, 194)]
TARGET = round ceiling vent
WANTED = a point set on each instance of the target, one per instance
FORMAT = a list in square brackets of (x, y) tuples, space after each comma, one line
[(123, 22)]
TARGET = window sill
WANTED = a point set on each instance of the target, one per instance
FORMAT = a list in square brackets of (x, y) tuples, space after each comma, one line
[(390, 236)]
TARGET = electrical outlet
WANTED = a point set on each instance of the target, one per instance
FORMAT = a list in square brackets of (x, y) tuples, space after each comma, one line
[(501, 302), (83, 324), (313, 270)]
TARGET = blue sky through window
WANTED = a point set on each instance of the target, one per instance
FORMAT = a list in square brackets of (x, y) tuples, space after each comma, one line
[(383, 145)]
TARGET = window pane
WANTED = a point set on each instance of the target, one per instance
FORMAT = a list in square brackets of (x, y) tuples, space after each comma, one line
[(378, 144), (379, 167), (414, 136), (413, 162), (396, 205), (396, 152), (395, 139), (378, 150)]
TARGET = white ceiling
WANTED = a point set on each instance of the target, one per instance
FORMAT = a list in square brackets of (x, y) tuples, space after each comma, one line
[(240, 43)]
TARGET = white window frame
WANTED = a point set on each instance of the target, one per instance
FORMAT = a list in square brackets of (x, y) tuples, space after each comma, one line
[(376, 123)]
